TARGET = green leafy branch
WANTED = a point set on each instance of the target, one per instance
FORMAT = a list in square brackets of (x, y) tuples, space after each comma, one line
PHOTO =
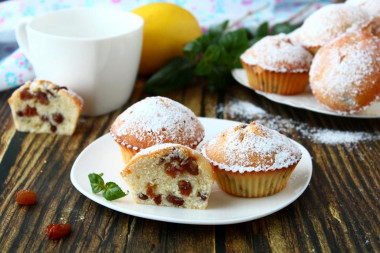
[(212, 56)]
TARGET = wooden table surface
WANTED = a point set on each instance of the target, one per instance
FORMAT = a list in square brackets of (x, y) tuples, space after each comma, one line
[(338, 212)]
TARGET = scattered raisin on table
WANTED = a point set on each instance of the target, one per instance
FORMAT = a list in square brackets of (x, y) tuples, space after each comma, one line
[(26, 197), (56, 231)]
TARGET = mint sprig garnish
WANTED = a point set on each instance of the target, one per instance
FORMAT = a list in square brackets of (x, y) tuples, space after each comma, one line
[(110, 190), (211, 56)]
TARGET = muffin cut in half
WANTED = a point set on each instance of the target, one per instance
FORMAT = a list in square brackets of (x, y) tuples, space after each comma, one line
[(155, 120), (252, 160), (44, 107), (170, 175)]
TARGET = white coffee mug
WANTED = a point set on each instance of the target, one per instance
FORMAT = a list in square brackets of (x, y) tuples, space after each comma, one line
[(93, 51)]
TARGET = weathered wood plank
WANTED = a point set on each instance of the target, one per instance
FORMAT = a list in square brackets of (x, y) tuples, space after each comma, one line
[(338, 212)]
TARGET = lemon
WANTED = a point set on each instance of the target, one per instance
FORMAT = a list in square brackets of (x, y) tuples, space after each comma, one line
[(167, 29)]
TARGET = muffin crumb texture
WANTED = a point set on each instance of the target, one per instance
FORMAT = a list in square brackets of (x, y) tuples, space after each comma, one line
[(170, 175), (43, 107)]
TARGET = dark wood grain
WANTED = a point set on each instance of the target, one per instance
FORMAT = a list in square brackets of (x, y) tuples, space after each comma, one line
[(338, 212)]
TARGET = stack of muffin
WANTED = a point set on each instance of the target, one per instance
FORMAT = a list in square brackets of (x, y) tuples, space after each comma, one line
[(336, 51)]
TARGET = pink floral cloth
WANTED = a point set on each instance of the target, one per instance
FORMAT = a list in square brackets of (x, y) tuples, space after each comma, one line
[(15, 68)]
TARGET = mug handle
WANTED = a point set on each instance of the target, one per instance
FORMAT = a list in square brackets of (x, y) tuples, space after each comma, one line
[(22, 38)]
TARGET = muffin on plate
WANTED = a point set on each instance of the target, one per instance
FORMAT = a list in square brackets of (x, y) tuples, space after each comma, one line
[(170, 175), (330, 22), (277, 64), (252, 160), (345, 74), (155, 120), (41, 106)]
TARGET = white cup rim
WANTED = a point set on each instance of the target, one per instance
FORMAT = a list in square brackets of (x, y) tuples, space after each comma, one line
[(137, 22)]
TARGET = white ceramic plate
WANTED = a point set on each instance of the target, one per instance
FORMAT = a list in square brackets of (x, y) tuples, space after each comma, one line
[(306, 100), (103, 155)]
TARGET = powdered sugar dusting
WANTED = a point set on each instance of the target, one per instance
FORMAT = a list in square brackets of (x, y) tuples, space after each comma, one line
[(252, 148), (278, 123), (278, 53), (341, 71), (372, 6), (159, 120), (330, 22), (238, 108), (338, 137), (347, 69)]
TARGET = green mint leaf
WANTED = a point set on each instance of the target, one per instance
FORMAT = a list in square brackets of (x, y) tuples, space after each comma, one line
[(250, 33), (112, 191), (262, 30), (96, 181), (283, 28), (215, 32), (192, 49), (234, 44), (213, 53), (176, 73), (203, 68), (195, 48), (211, 57), (235, 41)]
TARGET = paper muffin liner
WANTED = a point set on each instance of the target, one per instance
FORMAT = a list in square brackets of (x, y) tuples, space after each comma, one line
[(253, 184), (276, 82), (127, 153)]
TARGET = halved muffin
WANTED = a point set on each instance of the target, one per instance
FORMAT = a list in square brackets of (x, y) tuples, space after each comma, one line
[(170, 175)]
